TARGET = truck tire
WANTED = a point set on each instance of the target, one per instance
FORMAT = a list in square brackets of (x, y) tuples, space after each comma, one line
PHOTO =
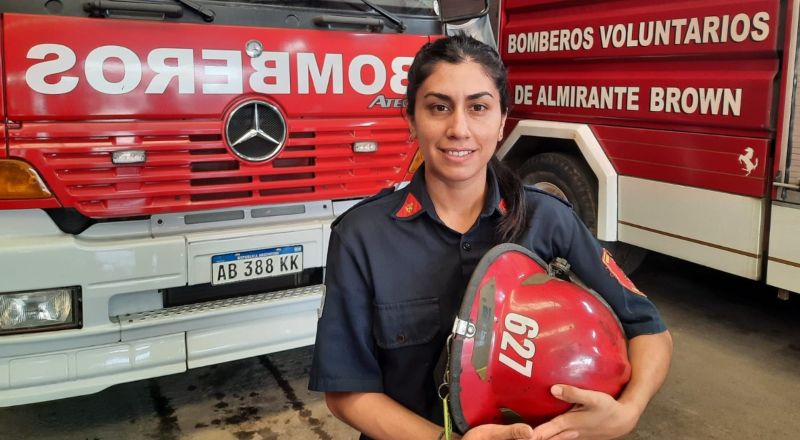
[(566, 177), (571, 179)]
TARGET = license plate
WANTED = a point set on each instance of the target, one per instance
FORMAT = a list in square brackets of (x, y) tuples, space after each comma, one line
[(252, 265)]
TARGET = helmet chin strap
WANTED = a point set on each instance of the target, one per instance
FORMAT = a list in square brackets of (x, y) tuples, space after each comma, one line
[(444, 388)]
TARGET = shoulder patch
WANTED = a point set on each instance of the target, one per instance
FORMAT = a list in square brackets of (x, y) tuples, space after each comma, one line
[(502, 207), (618, 274), (381, 194), (410, 207), (539, 191)]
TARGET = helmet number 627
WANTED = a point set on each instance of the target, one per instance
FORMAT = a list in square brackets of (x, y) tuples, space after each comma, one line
[(522, 352)]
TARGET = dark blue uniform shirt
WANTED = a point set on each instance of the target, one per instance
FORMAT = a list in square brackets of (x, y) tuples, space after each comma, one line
[(396, 275)]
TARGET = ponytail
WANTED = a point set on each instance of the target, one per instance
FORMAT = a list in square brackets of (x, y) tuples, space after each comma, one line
[(515, 221)]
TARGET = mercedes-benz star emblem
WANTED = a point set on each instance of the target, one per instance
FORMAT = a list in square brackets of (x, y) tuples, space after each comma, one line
[(256, 131)]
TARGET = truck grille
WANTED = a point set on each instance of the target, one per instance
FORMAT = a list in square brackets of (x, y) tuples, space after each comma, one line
[(196, 171)]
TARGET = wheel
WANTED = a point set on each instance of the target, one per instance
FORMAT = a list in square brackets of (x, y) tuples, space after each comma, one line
[(627, 256), (566, 177), (571, 179)]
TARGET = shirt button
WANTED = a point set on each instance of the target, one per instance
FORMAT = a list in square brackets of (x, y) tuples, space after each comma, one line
[(466, 246), (401, 338)]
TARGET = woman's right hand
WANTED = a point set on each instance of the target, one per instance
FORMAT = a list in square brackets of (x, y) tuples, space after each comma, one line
[(500, 432)]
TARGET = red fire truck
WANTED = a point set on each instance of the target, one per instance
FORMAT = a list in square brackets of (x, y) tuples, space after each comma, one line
[(169, 171), (671, 126)]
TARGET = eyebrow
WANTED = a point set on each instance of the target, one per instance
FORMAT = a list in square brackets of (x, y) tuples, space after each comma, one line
[(444, 97)]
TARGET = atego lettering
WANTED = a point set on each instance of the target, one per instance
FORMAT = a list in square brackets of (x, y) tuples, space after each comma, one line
[(220, 72)]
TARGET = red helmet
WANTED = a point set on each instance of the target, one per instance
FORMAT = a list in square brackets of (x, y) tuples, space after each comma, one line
[(519, 331)]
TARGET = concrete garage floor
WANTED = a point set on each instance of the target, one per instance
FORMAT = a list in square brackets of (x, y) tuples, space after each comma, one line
[(735, 375), (258, 398), (736, 365)]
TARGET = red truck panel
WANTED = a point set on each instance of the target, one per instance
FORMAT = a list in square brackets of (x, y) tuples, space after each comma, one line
[(84, 88), (625, 28), (119, 57), (705, 70), (3, 146), (194, 171), (695, 159)]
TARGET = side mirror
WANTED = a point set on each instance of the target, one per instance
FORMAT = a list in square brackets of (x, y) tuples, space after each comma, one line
[(454, 11)]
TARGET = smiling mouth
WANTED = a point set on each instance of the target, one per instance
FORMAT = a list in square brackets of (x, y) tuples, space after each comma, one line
[(458, 153)]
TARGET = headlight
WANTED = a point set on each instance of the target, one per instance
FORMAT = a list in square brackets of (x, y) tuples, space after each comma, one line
[(39, 310)]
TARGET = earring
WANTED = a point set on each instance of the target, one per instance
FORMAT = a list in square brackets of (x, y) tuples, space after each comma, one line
[(411, 137)]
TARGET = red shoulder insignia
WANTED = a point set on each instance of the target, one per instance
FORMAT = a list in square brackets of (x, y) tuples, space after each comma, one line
[(618, 274), (502, 207), (410, 207)]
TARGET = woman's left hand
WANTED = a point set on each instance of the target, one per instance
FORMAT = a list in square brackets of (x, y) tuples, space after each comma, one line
[(595, 416)]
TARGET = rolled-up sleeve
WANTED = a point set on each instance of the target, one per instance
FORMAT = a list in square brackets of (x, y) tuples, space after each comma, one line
[(344, 353)]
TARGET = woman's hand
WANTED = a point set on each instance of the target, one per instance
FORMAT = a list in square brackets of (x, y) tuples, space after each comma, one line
[(595, 416), (500, 432)]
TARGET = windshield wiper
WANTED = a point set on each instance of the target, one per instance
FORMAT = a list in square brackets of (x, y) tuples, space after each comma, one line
[(401, 27), (207, 14)]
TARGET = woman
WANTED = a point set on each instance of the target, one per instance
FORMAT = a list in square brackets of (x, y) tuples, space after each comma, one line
[(398, 265)]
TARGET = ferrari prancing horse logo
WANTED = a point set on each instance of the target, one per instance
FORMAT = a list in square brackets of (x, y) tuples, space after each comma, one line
[(746, 160)]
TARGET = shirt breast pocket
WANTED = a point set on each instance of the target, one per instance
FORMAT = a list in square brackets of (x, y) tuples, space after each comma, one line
[(407, 323)]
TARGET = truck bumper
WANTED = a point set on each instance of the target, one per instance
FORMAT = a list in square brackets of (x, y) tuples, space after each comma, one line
[(227, 330), (127, 333)]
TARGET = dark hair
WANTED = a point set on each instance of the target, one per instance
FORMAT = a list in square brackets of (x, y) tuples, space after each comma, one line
[(456, 50), (460, 49)]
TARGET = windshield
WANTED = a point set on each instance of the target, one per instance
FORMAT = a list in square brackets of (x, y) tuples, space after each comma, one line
[(409, 7)]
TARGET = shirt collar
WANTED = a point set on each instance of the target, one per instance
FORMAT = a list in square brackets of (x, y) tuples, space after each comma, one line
[(417, 201), (494, 202)]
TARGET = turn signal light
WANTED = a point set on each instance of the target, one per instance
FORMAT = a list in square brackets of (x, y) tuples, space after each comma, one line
[(18, 180), (416, 162)]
